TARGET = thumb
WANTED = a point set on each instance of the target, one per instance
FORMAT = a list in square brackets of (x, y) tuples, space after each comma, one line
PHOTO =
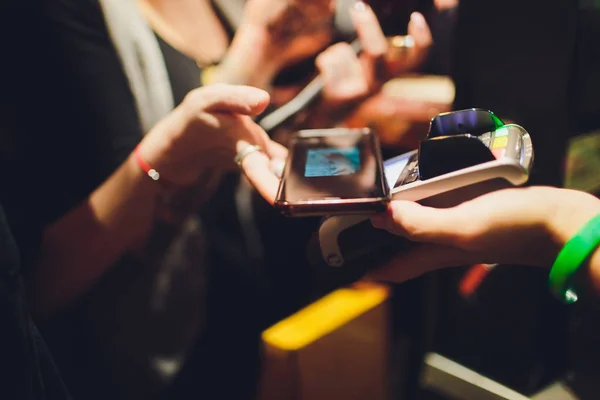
[(226, 98), (419, 223)]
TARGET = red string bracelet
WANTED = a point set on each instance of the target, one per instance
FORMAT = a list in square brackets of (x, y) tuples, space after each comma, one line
[(151, 172)]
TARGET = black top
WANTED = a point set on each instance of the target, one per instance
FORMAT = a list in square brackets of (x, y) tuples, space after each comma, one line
[(68, 115), (28, 371), (67, 121)]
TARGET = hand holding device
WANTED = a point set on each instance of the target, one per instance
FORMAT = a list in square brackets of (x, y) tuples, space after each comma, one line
[(513, 226), (442, 176)]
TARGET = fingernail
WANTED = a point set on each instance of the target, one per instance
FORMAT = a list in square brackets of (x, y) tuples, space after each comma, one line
[(277, 167), (264, 97), (417, 19), (361, 6)]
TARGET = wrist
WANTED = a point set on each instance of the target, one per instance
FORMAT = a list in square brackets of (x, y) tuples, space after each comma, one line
[(250, 60), (149, 178), (576, 229), (572, 210)]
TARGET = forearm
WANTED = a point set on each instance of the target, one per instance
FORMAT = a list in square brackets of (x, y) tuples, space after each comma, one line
[(80, 247)]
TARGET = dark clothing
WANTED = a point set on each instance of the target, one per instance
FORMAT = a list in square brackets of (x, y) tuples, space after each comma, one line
[(69, 122), (519, 64), (65, 128), (27, 369), (63, 132), (530, 62)]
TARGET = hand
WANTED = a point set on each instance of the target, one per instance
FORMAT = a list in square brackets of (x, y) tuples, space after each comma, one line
[(283, 20), (272, 35), (349, 77), (521, 226), (206, 132)]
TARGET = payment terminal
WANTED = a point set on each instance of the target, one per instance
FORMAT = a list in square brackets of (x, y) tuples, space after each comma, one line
[(450, 167)]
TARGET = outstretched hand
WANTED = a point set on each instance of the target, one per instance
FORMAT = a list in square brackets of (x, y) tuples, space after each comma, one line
[(518, 226)]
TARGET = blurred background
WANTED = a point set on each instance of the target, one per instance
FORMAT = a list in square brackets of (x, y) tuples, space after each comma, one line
[(225, 304)]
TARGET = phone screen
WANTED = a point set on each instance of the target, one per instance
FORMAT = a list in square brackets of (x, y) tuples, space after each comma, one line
[(334, 164)]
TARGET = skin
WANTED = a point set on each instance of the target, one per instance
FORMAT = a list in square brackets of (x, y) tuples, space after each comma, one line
[(514, 226), (200, 138), (264, 44), (202, 134)]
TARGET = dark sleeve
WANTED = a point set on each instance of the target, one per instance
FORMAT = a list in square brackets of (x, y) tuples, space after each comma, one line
[(68, 116)]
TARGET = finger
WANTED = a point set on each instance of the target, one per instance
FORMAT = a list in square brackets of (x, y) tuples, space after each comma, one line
[(422, 258), (278, 154), (370, 34), (343, 76), (220, 97), (257, 168), (420, 32), (276, 150), (445, 4), (249, 132), (406, 55), (423, 224)]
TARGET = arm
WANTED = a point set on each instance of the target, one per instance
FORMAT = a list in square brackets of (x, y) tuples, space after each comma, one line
[(78, 248), (514, 226), (118, 215), (69, 138)]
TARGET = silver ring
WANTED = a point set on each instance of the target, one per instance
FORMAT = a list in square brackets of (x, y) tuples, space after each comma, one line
[(245, 152)]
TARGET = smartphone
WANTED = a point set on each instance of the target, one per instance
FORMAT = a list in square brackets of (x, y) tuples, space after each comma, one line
[(333, 172)]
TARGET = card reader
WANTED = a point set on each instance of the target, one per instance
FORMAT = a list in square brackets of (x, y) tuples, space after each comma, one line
[(447, 170)]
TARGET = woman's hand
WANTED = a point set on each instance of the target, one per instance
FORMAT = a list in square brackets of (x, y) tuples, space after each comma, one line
[(521, 226), (282, 21), (205, 133), (350, 77), (273, 34)]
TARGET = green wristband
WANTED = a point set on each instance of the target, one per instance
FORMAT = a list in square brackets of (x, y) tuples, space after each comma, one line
[(572, 256)]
